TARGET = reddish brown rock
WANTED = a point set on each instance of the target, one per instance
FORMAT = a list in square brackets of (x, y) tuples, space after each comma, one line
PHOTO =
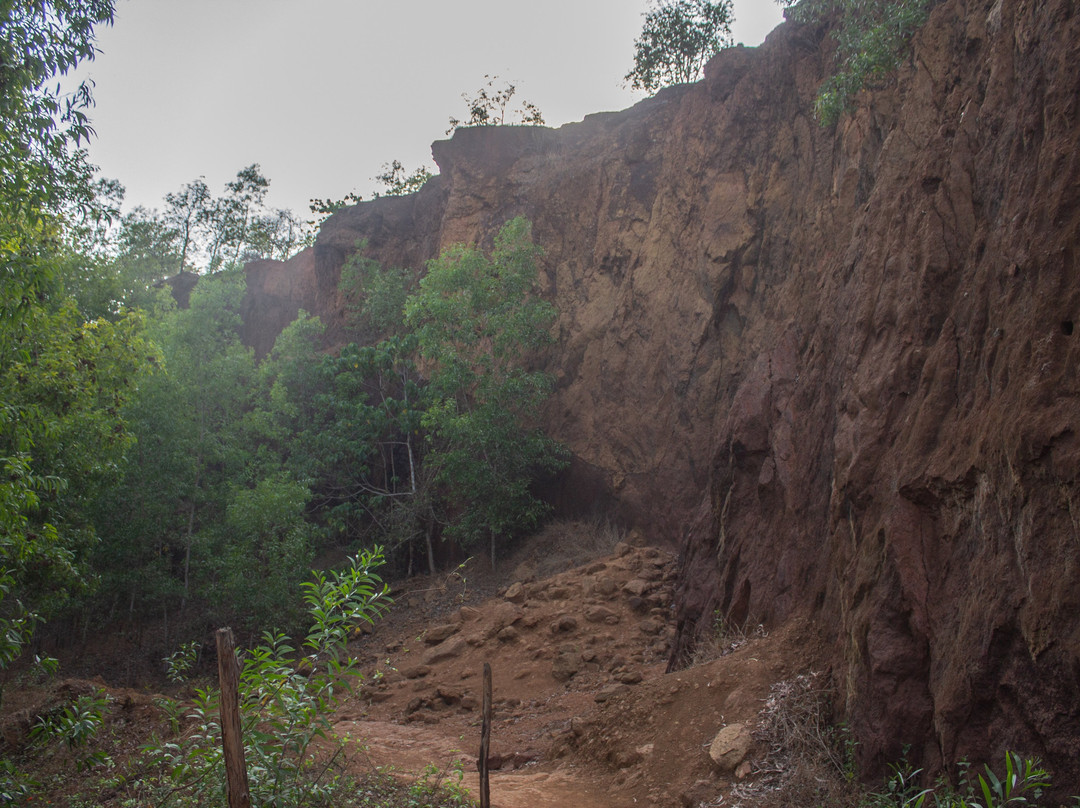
[(840, 362), (436, 635)]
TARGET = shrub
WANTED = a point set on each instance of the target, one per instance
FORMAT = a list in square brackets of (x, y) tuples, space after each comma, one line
[(873, 37), (285, 705)]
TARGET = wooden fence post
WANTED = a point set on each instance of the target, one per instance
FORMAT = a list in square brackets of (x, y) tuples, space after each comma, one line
[(231, 731), (485, 740)]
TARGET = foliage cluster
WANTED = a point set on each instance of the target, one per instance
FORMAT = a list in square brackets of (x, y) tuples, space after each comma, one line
[(1024, 783), (198, 231), (677, 39), (285, 706), (489, 106), (64, 376), (396, 181), (873, 37)]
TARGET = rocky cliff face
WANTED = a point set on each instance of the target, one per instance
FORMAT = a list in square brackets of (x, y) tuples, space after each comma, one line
[(837, 367)]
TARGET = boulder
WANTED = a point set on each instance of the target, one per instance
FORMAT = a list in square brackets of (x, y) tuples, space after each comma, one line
[(436, 635), (730, 747), (450, 649)]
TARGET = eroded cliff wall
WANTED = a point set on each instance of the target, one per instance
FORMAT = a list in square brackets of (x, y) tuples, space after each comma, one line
[(837, 367)]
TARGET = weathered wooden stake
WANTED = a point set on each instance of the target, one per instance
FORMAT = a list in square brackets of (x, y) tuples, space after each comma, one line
[(485, 740), (232, 739)]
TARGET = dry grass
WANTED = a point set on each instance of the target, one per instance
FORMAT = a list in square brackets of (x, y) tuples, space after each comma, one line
[(804, 762), (566, 543), (724, 638)]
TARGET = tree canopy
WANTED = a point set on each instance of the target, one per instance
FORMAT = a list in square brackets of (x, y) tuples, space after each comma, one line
[(677, 39)]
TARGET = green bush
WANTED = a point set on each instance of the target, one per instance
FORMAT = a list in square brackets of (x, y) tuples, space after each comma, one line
[(285, 705), (1024, 783), (873, 37)]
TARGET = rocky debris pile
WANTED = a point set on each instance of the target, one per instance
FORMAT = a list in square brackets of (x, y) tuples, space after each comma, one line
[(595, 627), (557, 646), (581, 692)]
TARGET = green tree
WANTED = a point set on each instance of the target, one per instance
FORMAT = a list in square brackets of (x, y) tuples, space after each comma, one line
[(488, 107), (325, 208), (123, 268), (477, 321), (873, 37), (265, 552), (277, 234), (397, 182), (678, 38), (160, 522), (63, 377), (39, 168), (374, 295), (185, 212)]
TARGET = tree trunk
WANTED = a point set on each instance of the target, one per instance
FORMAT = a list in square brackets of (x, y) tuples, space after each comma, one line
[(187, 555), (430, 548)]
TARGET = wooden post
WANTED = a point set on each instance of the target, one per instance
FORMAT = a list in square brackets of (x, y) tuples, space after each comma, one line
[(485, 740), (231, 732)]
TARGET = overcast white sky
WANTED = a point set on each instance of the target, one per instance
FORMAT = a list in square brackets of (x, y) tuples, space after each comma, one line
[(322, 93)]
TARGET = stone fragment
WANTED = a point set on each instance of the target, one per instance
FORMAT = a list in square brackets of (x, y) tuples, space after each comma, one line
[(651, 626), (606, 586), (448, 695), (629, 677), (416, 671), (607, 691), (469, 613), (625, 758), (730, 747), (515, 593), (508, 634), (565, 665), (559, 593), (564, 624), (449, 649), (436, 635), (637, 587), (506, 614), (601, 614)]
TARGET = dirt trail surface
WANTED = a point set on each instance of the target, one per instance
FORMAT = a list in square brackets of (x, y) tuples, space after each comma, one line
[(584, 712)]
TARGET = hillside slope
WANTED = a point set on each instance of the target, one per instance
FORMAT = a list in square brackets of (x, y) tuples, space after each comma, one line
[(836, 367)]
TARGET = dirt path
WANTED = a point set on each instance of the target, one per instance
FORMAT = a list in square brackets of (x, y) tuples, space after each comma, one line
[(410, 748), (585, 714)]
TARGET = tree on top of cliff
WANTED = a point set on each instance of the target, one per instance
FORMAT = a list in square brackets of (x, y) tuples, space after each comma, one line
[(488, 108), (396, 181), (678, 38)]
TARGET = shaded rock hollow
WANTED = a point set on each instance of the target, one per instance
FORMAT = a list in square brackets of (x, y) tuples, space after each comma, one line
[(836, 367)]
